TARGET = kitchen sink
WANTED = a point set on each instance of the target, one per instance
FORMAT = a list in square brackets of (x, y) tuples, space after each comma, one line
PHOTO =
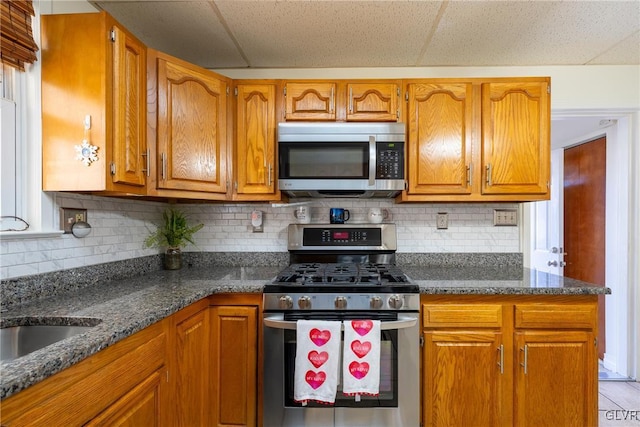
[(17, 341)]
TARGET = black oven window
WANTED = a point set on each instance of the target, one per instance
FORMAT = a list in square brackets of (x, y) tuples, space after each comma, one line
[(388, 397)]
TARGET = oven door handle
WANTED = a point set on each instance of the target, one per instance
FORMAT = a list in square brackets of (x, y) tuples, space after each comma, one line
[(276, 322)]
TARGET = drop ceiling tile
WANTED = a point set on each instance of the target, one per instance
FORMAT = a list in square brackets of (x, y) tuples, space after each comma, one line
[(329, 33), (529, 33), (189, 30), (627, 52)]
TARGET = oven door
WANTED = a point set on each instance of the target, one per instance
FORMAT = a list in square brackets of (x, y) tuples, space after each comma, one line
[(398, 402)]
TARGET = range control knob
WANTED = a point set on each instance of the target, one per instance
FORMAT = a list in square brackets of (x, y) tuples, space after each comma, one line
[(285, 302), (375, 302), (340, 302), (396, 301), (304, 302)]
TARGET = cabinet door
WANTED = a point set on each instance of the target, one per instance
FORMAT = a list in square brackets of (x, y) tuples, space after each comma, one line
[(192, 121), (139, 407), (130, 154), (255, 139), (555, 379), (372, 102), (234, 359), (192, 361), (515, 138), (439, 147), (463, 378), (310, 101)]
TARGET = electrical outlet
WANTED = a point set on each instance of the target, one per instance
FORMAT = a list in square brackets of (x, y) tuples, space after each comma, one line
[(442, 220), (502, 217), (68, 216)]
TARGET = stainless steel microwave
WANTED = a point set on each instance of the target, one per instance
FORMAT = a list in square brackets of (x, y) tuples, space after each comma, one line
[(341, 159)]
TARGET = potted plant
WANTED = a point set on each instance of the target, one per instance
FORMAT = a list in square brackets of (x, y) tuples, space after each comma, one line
[(173, 234)]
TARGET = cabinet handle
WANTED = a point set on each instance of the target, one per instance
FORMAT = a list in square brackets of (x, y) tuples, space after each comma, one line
[(269, 174), (331, 102), (351, 100), (469, 174), (163, 159), (489, 182), (501, 362), (147, 162), (526, 355)]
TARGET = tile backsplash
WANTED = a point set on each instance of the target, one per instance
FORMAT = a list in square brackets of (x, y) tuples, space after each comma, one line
[(119, 227)]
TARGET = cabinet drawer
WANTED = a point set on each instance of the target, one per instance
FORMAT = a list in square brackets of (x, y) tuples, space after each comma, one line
[(549, 316), (469, 315)]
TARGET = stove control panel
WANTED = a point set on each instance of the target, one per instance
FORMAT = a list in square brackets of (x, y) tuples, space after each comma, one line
[(348, 301), (342, 236)]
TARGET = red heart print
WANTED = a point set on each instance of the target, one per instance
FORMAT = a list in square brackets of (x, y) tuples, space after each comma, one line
[(318, 359), (360, 349), (362, 327), (319, 337), (315, 379), (359, 370)]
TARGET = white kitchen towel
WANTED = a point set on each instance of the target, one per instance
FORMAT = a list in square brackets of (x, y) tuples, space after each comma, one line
[(361, 358), (317, 355)]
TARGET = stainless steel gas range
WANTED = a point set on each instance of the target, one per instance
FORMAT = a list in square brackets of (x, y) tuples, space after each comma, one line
[(343, 272)]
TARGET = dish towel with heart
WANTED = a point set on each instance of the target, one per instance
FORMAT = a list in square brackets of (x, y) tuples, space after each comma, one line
[(317, 356), (361, 358)]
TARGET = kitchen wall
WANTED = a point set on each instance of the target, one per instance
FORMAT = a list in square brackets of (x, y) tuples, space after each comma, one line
[(119, 227)]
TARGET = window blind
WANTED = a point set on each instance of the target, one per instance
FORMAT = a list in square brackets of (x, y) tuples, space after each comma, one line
[(17, 46)]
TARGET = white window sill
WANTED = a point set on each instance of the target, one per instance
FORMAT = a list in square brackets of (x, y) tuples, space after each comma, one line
[(15, 235)]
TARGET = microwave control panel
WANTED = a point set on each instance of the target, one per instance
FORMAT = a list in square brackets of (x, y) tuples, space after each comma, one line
[(390, 160)]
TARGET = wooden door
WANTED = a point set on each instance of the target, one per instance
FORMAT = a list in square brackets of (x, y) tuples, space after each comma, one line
[(515, 138), (191, 370), (372, 102), (584, 219), (192, 128), (310, 101), (255, 167), (462, 378), (130, 156), (139, 407), (235, 358), (555, 379), (439, 146)]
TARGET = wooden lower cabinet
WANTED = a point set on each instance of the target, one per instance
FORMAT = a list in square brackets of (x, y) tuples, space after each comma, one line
[(198, 367), (190, 358), (121, 385), (234, 357), (509, 360), (140, 407)]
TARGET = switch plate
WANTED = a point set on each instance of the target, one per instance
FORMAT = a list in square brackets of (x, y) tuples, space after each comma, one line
[(442, 220), (70, 215), (505, 217)]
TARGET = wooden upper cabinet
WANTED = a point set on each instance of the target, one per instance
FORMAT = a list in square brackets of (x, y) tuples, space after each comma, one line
[(191, 128), (93, 105), (310, 101), (515, 137), (255, 144), (373, 102), (340, 100), (130, 156), (439, 138)]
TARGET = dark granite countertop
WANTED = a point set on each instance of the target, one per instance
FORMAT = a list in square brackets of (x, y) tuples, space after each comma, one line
[(129, 305)]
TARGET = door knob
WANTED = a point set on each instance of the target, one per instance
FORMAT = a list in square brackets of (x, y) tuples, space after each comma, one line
[(552, 263)]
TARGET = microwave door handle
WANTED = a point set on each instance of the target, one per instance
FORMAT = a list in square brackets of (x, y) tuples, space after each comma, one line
[(401, 323), (372, 160)]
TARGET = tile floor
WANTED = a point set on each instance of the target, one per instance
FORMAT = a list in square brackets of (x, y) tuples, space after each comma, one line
[(618, 400)]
